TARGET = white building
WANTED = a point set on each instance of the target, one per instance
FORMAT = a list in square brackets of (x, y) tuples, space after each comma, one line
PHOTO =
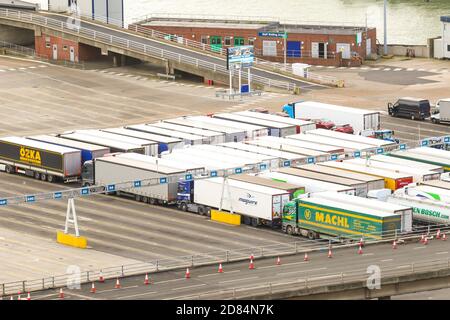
[(442, 45), (108, 11)]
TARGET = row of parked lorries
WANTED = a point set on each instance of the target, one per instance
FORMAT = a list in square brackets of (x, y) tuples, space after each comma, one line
[(271, 152)]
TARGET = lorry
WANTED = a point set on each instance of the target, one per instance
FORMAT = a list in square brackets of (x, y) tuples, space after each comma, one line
[(411, 108), (41, 160), (392, 180), (88, 151), (114, 170), (258, 205), (164, 143), (442, 112), (316, 217), (187, 138), (346, 145), (407, 163), (426, 156), (361, 188), (404, 211), (305, 144), (360, 119), (425, 210), (301, 125), (276, 129)]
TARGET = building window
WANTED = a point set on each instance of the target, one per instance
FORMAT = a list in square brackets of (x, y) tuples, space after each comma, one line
[(448, 48), (251, 41), (204, 39), (228, 41), (65, 48), (48, 45)]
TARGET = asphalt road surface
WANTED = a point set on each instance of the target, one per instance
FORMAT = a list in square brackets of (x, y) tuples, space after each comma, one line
[(174, 285)]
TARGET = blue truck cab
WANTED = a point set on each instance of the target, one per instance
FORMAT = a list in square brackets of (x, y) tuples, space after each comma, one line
[(289, 109)]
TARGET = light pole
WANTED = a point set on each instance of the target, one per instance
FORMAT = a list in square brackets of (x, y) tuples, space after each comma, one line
[(385, 28)]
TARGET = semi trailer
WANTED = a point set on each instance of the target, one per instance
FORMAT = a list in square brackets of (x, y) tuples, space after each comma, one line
[(213, 137), (407, 163), (412, 154), (346, 145), (41, 160), (305, 144)]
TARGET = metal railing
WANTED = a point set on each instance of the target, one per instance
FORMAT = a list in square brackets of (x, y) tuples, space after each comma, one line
[(305, 283), (211, 258), (134, 46)]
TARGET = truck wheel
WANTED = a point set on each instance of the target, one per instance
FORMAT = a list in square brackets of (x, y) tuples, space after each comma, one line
[(289, 230), (435, 121), (43, 177), (247, 220), (183, 207), (201, 210), (144, 199), (9, 169), (311, 235), (50, 178), (254, 222), (37, 175), (137, 198)]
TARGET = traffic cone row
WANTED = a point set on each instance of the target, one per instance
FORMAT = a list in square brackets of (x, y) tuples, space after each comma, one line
[(306, 257), (61, 293), (444, 237), (28, 296), (394, 245), (220, 270), (117, 286), (93, 289), (330, 254)]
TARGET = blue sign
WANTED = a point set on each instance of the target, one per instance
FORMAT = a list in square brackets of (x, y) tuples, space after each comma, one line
[(162, 180), (3, 202), (380, 150), (244, 55), (334, 157), (238, 170), (188, 177), (137, 184), (403, 147), (111, 187), (57, 195), (447, 139), (30, 199), (213, 173), (273, 34), (311, 160), (424, 143), (357, 154), (262, 167), (84, 191), (287, 163)]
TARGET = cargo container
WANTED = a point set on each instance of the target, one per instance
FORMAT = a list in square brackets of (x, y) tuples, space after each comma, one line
[(347, 145), (418, 174), (305, 145), (293, 189), (320, 156), (360, 119), (276, 129), (392, 180), (430, 159), (406, 212), (425, 211), (361, 188), (294, 158), (150, 147), (373, 183), (301, 125), (187, 138), (310, 185), (213, 137), (164, 143), (316, 217), (258, 205), (113, 145), (88, 151), (407, 163), (252, 131), (195, 160), (191, 169), (232, 134), (41, 160), (114, 170), (386, 145)]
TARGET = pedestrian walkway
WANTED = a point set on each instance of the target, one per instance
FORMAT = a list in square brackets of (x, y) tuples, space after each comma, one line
[(18, 69), (383, 68)]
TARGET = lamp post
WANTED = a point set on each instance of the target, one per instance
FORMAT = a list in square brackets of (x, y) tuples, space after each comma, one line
[(385, 28)]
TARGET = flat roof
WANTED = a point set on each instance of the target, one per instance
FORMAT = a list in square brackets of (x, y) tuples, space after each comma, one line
[(351, 137), (169, 133), (273, 117), (191, 123), (304, 144), (39, 145), (191, 130), (161, 161), (118, 137), (286, 147), (202, 24), (101, 141)]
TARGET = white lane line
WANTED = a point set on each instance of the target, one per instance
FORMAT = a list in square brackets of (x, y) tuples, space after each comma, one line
[(214, 274), (119, 74), (42, 66), (416, 248), (442, 252), (375, 69), (110, 290), (129, 75), (353, 68), (402, 267), (319, 66), (299, 271), (189, 287), (342, 68), (241, 279), (136, 295), (387, 69), (397, 69), (433, 70), (410, 69), (166, 281), (32, 67), (331, 67), (421, 69), (365, 68), (368, 254), (12, 69), (2, 70), (387, 260)]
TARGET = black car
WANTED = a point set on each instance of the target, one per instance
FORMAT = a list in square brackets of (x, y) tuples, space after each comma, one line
[(412, 108)]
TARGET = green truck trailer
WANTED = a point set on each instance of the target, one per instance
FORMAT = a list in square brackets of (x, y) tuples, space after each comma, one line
[(324, 218)]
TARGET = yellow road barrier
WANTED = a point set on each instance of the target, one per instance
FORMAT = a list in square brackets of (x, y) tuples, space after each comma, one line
[(226, 217), (71, 240)]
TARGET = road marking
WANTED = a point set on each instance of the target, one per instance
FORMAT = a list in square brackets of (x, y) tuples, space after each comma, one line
[(387, 69), (22, 68), (402, 267), (189, 287), (375, 69), (353, 68), (368, 254), (397, 69), (119, 74), (32, 67), (410, 69), (421, 69), (166, 281), (42, 66), (136, 295), (331, 67), (419, 248), (2, 70), (319, 66), (387, 260), (241, 279), (442, 252), (110, 290), (214, 274), (12, 69), (302, 271)]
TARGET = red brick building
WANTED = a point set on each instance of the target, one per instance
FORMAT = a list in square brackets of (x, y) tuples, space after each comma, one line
[(312, 44)]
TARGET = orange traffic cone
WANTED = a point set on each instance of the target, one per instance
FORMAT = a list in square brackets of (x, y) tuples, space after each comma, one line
[(29, 296), (361, 242), (306, 257), (422, 239), (252, 257), (330, 255), (18, 296), (93, 289), (438, 234), (425, 241), (252, 265), (360, 250), (61, 293), (117, 286), (220, 268), (188, 274), (394, 245), (100, 278), (444, 236), (146, 281), (278, 261)]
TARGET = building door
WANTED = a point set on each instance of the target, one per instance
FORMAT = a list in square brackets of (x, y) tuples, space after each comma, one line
[(321, 50), (294, 49), (269, 48), (216, 43), (55, 52), (238, 41), (315, 50), (345, 49), (368, 47), (72, 54)]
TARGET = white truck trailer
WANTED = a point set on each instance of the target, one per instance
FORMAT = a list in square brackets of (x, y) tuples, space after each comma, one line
[(360, 119), (442, 114), (347, 145), (187, 138), (305, 144), (407, 163), (214, 137)]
